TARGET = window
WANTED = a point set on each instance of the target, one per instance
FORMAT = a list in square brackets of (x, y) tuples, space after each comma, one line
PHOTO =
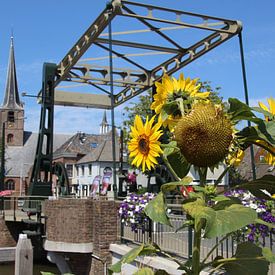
[(77, 170), (69, 168), (82, 169), (10, 116), (9, 185), (262, 159), (90, 169), (10, 138)]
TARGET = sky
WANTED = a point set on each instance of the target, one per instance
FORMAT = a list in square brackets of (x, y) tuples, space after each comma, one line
[(45, 31)]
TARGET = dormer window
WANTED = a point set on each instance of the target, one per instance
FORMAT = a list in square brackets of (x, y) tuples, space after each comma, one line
[(10, 116)]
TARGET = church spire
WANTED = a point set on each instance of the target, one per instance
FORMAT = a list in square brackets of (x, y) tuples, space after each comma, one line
[(104, 126), (11, 99)]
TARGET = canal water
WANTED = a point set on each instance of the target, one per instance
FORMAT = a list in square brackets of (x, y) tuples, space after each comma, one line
[(8, 269)]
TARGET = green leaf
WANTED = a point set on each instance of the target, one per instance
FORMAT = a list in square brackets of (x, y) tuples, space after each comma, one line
[(185, 224), (257, 186), (267, 253), (169, 148), (240, 111), (179, 164), (156, 210), (220, 222), (225, 221), (195, 209), (127, 258), (144, 271), (173, 185), (248, 260), (199, 188), (221, 205), (144, 249), (220, 198), (265, 131), (161, 272), (262, 111), (168, 109)]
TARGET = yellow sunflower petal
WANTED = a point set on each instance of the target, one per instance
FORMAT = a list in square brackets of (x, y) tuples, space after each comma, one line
[(263, 106), (271, 102)]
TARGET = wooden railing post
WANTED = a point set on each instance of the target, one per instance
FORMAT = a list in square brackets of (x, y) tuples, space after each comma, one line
[(24, 256)]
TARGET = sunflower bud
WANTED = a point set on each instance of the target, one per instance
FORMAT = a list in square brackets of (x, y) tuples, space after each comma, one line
[(204, 135)]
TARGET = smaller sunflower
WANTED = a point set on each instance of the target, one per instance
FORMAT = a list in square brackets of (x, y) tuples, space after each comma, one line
[(169, 89), (144, 145)]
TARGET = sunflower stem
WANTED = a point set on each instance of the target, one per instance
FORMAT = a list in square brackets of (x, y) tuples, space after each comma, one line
[(203, 175), (170, 168), (219, 179), (196, 249), (181, 106)]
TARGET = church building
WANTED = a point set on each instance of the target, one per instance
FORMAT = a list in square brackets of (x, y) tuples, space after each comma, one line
[(20, 145)]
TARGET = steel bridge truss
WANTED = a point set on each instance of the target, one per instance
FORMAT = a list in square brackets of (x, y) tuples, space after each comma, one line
[(109, 86), (138, 76)]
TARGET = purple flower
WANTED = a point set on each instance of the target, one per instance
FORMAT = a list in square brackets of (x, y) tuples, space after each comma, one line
[(132, 213)]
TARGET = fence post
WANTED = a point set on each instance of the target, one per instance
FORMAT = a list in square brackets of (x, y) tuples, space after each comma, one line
[(150, 224), (24, 256), (190, 244)]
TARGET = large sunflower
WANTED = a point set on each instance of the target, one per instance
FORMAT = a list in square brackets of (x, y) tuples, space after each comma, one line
[(204, 135), (144, 145), (170, 88)]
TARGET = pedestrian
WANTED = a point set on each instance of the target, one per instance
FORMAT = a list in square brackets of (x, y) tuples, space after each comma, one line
[(132, 179)]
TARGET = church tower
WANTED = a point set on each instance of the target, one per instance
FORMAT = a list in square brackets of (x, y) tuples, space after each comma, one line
[(12, 110), (104, 126)]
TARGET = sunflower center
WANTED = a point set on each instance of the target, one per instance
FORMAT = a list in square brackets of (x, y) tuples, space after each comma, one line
[(143, 145)]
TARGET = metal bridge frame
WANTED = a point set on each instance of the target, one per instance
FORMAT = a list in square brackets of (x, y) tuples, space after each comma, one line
[(128, 82)]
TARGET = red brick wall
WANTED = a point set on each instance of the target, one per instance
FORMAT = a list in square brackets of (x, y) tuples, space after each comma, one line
[(80, 221), (104, 232), (69, 220)]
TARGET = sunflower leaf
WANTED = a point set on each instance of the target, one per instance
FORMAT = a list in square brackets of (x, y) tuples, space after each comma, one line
[(257, 186), (220, 222), (156, 210), (143, 249), (265, 131), (168, 109), (173, 185), (144, 271), (170, 148), (240, 111), (267, 253), (179, 164), (248, 260), (127, 258), (262, 111)]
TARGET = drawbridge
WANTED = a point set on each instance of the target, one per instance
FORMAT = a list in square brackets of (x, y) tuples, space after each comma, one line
[(123, 53)]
